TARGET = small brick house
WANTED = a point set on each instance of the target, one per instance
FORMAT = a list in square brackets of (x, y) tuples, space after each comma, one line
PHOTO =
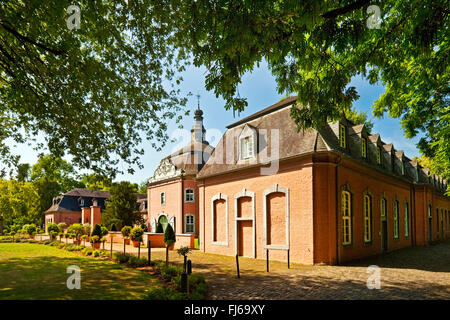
[(77, 206), (330, 195), (84, 206)]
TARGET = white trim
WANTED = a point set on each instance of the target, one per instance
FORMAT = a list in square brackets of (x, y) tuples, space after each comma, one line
[(237, 196), (185, 223), (193, 195), (267, 192), (219, 196)]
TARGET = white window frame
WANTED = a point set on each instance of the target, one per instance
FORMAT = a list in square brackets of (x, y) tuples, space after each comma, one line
[(186, 223), (248, 154), (162, 197), (186, 194)]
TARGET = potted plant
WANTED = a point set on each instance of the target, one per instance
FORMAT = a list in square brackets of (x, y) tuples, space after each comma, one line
[(169, 240), (30, 230), (126, 233), (136, 236), (61, 235), (95, 242), (76, 230), (84, 237), (66, 236), (103, 240), (62, 226), (52, 227)]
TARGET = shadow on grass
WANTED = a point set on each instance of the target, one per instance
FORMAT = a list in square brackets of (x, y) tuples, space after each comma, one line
[(45, 278)]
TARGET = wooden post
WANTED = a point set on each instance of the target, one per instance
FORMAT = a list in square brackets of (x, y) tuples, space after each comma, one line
[(189, 267), (267, 260), (111, 245), (184, 282), (149, 253), (124, 245), (237, 266), (288, 259)]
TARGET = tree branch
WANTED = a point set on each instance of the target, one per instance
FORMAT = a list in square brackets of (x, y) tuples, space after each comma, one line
[(31, 41), (348, 8)]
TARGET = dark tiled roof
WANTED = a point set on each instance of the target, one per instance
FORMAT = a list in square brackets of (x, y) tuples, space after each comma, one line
[(88, 193), (293, 143)]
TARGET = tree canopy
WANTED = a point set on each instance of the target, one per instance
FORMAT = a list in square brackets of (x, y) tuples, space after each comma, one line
[(91, 91)]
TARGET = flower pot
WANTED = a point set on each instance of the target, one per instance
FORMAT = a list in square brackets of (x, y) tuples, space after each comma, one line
[(127, 241), (31, 236), (96, 245), (172, 246), (136, 243)]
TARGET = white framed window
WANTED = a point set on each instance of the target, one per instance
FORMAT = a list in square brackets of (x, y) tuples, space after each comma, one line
[(346, 218), (396, 225), (406, 219), (189, 195), (343, 136), (379, 155), (163, 197), (246, 147), (367, 218), (190, 223), (364, 148)]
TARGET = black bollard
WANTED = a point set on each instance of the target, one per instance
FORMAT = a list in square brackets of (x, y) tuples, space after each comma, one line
[(184, 282), (189, 267), (288, 259), (267, 260), (237, 266)]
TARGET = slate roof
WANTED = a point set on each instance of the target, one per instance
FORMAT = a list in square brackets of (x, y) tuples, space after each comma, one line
[(276, 119)]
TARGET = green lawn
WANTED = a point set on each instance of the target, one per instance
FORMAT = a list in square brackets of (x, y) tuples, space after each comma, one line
[(32, 271)]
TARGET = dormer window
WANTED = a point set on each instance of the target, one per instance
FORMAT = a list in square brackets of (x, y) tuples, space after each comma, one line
[(81, 202), (364, 148), (246, 150), (343, 136), (403, 167), (379, 155)]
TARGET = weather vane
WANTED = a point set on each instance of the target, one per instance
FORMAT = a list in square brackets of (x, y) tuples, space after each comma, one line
[(198, 101)]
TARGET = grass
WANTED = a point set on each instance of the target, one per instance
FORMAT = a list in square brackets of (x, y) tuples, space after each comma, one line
[(30, 271)]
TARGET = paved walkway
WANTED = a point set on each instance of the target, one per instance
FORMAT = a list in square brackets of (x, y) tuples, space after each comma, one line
[(411, 273)]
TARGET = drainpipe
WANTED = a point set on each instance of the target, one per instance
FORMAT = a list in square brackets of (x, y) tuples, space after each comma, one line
[(412, 197), (338, 253)]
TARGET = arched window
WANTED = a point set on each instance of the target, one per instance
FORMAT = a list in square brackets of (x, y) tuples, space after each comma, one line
[(367, 218), (189, 195), (395, 216), (346, 218), (190, 223)]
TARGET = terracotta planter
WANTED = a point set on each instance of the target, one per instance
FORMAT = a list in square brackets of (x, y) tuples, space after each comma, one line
[(127, 241), (31, 236), (96, 245), (172, 246), (136, 243)]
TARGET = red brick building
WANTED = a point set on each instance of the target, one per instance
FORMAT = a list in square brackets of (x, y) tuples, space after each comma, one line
[(322, 196), (173, 191)]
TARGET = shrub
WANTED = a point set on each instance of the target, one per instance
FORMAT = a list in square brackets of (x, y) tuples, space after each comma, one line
[(66, 235), (46, 242), (87, 251), (121, 257), (76, 228), (136, 262), (136, 234), (170, 272), (52, 227), (159, 228), (97, 231), (54, 243), (169, 239), (30, 229), (113, 227), (94, 239), (62, 226), (86, 228), (144, 227), (126, 231), (104, 231), (96, 253), (164, 293)]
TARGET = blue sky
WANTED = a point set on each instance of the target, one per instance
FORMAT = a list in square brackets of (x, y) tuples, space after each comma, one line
[(259, 87)]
